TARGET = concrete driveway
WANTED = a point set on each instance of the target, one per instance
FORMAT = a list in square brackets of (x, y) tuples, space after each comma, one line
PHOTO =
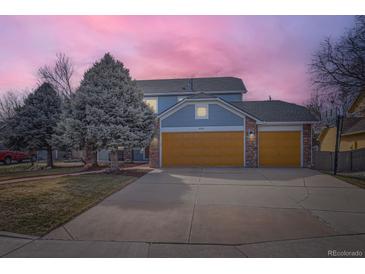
[(224, 212)]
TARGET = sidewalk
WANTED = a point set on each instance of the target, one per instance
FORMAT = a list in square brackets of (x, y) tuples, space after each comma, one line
[(24, 247)]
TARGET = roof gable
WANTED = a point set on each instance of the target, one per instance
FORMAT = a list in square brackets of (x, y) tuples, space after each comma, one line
[(261, 111), (203, 98)]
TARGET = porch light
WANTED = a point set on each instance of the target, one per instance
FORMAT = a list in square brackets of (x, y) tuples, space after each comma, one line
[(251, 134)]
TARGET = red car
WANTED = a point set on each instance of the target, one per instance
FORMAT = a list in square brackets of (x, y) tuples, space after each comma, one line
[(7, 156)]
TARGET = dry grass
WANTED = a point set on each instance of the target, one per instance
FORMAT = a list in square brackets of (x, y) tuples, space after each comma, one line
[(24, 170), (36, 207)]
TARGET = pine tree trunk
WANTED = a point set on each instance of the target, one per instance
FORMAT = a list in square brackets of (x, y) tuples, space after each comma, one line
[(49, 157), (114, 165), (90, 156)]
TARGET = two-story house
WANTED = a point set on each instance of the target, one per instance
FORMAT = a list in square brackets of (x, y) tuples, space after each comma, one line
[(208, 122)]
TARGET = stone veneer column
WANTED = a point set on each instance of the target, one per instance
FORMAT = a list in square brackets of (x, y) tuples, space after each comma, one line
[(154, 160), (307, 145), (251, 143)]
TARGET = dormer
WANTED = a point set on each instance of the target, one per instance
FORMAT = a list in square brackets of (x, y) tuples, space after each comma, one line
[(161, 94)]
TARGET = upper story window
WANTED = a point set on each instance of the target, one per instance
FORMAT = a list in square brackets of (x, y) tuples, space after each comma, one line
[(201, 111), (180, 98), (152, 103)]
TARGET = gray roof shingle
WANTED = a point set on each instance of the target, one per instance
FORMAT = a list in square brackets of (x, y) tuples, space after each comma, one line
[(201, 95), (266, 111), (275, 111), (191, 85)]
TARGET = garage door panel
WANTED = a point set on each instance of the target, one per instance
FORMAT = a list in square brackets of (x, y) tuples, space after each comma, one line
[(280, 149), (202, 149)]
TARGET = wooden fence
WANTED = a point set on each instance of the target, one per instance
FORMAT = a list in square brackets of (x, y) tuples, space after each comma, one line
[(347, 160)]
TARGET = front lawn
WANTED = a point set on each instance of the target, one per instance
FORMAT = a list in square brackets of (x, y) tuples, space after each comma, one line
[(14, 171), (38, 206)]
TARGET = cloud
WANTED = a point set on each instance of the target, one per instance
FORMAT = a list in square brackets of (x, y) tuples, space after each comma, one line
[(270, 53)]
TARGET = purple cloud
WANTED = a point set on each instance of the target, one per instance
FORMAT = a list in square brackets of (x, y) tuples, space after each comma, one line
[(270, 53)]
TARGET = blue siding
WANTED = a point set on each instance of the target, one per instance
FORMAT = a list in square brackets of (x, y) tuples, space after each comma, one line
[(231, 97), (218, 116), (165, 102), (138, 155)]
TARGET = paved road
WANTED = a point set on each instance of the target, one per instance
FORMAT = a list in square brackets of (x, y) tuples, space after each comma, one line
[(215, 212)]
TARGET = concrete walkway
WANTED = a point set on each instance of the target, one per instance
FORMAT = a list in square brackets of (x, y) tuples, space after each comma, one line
[(215, 212)]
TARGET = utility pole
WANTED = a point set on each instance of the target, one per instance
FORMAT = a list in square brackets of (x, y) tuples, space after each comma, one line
[(339, 123)]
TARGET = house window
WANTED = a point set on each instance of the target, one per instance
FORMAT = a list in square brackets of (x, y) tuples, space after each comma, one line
[(152, 103), (201, 111), (180, 98)]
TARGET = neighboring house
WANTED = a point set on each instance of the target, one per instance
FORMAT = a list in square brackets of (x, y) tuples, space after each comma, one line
[(353, 130), (59, 155), (207, 122), (357, 108)]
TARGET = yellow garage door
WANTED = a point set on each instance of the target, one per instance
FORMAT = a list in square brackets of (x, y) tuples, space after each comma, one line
[(202, 149), (279, 149)]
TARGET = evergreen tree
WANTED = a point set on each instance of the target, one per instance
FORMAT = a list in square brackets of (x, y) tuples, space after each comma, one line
[(107, 111), (34, 123)]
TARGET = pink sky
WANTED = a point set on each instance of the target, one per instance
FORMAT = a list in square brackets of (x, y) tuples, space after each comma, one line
[(270, 53)]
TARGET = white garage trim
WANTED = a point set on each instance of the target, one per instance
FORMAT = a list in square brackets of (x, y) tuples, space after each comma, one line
[(287, 123), (280, 128), (202, 129)]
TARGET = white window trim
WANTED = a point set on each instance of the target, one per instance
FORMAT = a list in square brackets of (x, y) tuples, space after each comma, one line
[(180, 98), (201, 106), (152, 98)]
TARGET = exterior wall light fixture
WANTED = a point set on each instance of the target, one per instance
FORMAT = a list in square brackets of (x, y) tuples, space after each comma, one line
[(251, 134)]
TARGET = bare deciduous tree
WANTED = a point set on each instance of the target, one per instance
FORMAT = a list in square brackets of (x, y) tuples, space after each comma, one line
[(338, 67), (10, 102), (315, 104), (59, 75)]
